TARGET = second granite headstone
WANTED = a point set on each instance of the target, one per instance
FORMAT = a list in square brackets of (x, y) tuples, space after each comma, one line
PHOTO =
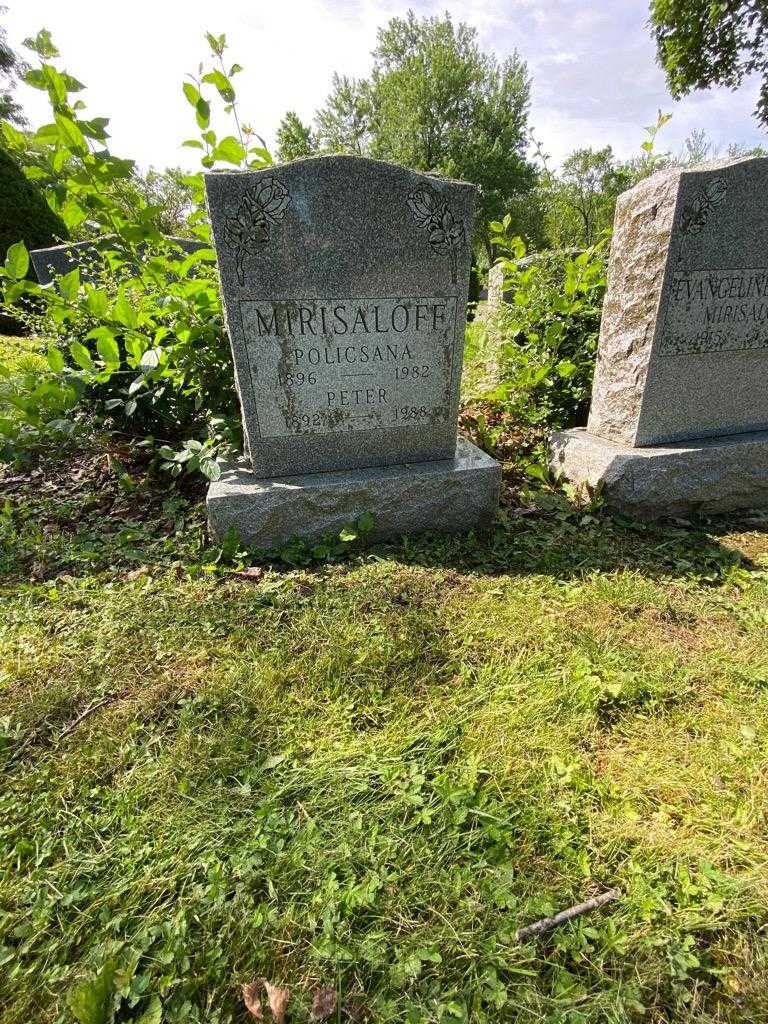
[(679, 408), (345, 283)]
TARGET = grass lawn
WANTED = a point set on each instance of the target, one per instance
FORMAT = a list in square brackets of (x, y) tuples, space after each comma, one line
[(369, 773)]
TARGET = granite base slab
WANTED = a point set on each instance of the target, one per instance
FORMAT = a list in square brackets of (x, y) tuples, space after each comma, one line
[(704, 476), (451, 496)]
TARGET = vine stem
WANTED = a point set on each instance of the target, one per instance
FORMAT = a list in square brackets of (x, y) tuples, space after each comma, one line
[(234, 107)]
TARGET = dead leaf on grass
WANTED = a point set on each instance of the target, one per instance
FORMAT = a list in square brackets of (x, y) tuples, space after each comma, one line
[(323, 1003), (277, 999), (252, 574), (252, 998)]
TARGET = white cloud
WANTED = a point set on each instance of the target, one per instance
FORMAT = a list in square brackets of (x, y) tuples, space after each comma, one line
[(594, 77)]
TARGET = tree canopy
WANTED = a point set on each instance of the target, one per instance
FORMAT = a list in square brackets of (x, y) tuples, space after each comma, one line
[(294, 138), (701, 44), (582, 198), (344, 124), (10, 67), (434, 102)]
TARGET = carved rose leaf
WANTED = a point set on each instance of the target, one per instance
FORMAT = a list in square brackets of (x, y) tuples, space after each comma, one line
[(439, 242), (447, 235), (694, 217), (233, 230)]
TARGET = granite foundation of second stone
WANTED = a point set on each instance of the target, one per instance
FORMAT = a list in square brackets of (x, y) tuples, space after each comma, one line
[(452, 496), (706, 476)]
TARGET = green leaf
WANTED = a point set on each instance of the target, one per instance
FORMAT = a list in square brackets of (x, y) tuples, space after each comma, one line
[(222, 83), (108, 350), (192, 93), (72, 213), (71, 134), (17, 261), (68, 285), (532, 469), (229, 150), (14, 139), (81, 355), (42, 44), (210, 469), (55, 359), (124, 313), (153, 1014), (97, 301), (203, 113), (217, 43), (348, 534), (34, 78), (365, 523), (263, 154), (193, 144), (150, 360), (92, 1002)]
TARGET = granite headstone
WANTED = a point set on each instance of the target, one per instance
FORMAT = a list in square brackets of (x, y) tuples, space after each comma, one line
[(683, 349), (345, 283)]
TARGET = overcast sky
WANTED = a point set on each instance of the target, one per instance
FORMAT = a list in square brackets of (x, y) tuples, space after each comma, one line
[(592, 61)]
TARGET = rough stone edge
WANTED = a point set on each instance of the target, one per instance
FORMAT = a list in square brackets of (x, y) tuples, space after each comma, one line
[(706, 476), (449, 496), (643, 226)]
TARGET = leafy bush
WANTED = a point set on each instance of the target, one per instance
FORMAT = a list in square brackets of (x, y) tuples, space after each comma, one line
[(143, 348), (548, 332)]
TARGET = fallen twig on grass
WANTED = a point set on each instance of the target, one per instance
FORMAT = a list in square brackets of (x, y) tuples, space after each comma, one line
[(546, 923), (83, 715)]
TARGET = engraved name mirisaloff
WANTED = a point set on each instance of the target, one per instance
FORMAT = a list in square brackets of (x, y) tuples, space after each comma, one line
[(320, 366), (716, 311)]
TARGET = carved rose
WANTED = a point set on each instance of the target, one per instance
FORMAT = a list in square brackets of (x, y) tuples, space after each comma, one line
[(248, 230), (446, 234)]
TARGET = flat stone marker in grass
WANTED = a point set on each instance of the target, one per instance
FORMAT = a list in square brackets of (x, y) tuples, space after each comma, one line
[(345, 283), (680, 399)]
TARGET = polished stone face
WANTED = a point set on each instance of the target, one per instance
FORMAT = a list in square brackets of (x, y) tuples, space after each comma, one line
[(345, 283), (684, 340)]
